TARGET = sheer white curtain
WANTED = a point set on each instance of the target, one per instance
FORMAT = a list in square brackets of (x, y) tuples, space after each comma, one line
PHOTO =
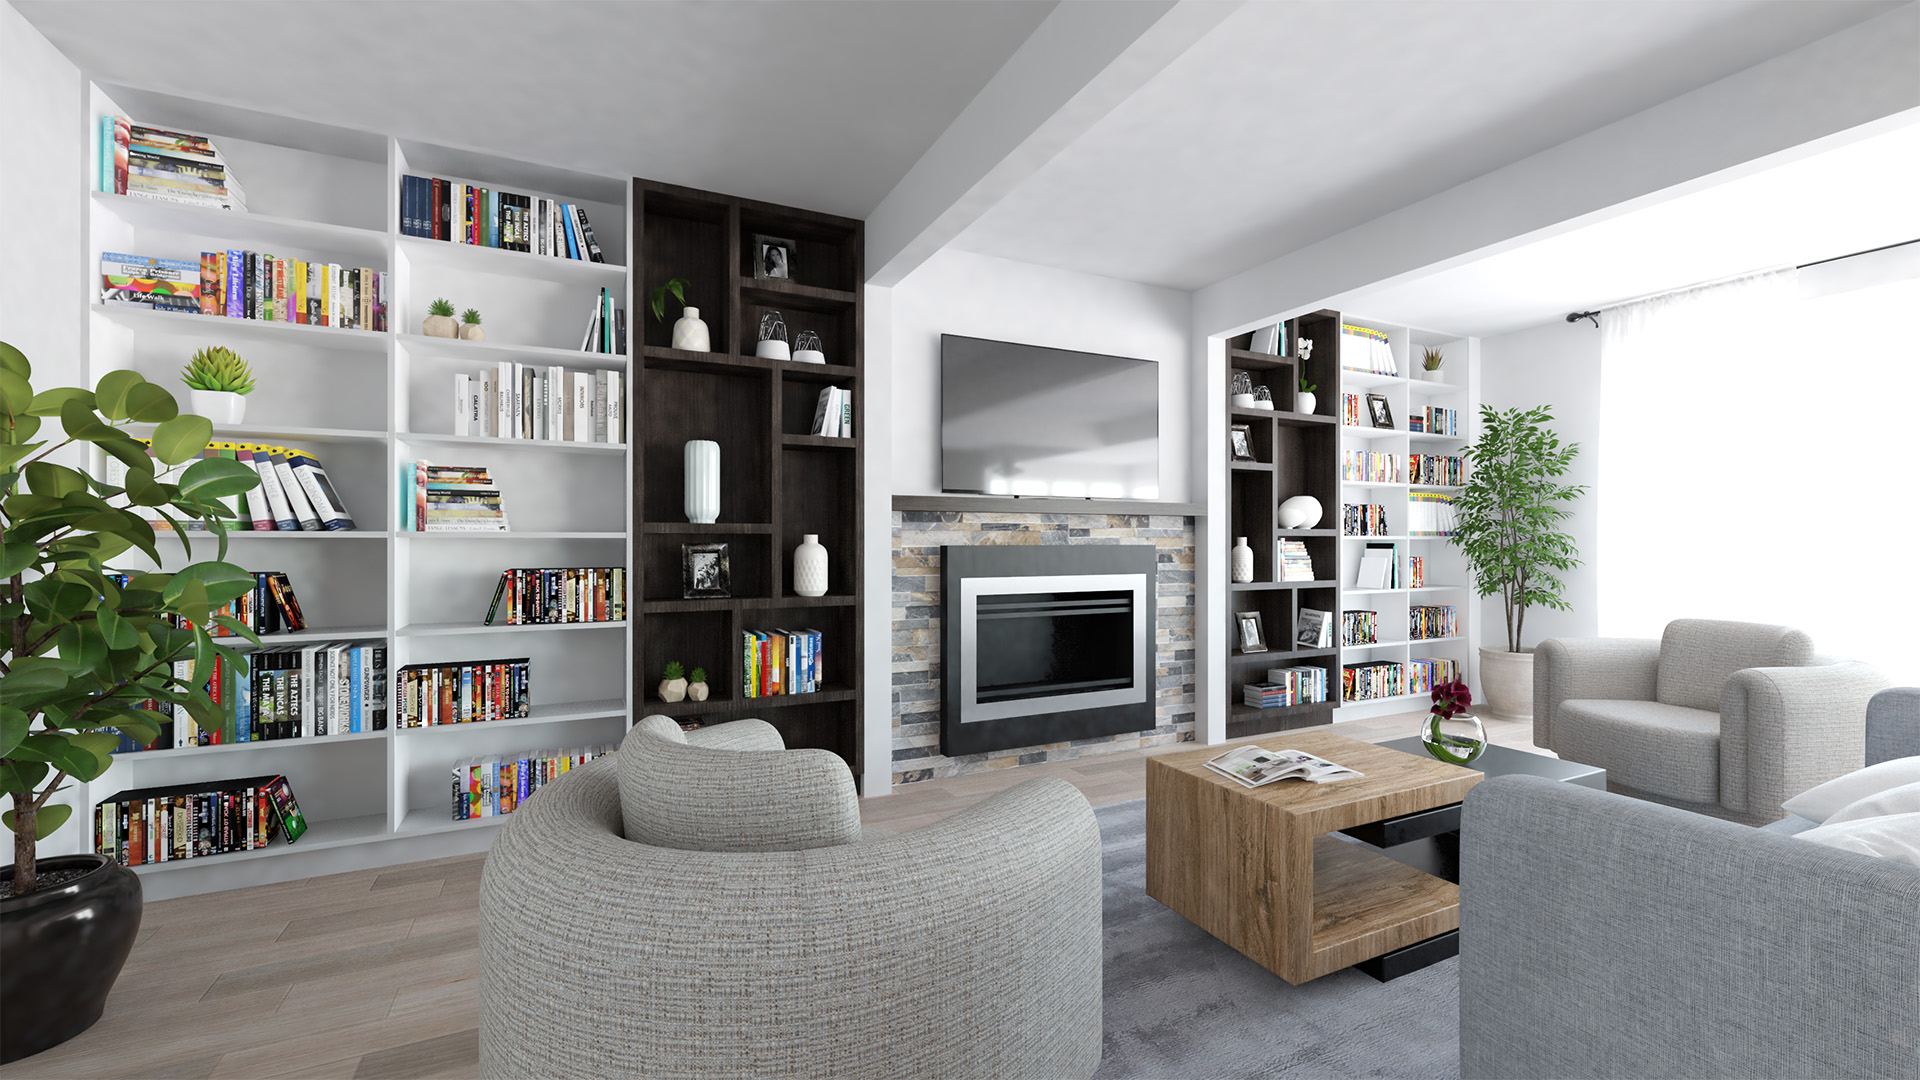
[(1757, 462)]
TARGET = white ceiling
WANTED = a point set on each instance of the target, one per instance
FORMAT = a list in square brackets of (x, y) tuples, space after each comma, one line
[(1852, 198), (823, 104), (1292, 122)]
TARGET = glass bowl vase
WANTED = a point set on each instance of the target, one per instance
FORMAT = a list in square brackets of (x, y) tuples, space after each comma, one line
[(1459, 740)]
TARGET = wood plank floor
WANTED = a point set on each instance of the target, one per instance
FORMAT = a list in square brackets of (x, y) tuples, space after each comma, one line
[(375, 973)]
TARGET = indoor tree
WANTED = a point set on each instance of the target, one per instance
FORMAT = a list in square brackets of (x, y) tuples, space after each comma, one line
[(1507, 520), (87, 646)]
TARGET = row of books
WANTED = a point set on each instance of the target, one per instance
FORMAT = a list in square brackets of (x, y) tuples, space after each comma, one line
[(1426, 621), (1287, 686), (509, 400), (172, 166), (271, 608), (607, 327), (1295, 563), (1447, 470), (559, 595), (1364, 519), (193, 821), (1359, 627), (1430, 513), (1416, 572), (1370, 467), (1434, 420), (1372, 680), (833, 413), (1362, 349), (494, 786), (1353, 411), (295, 494), (1426, 672), (465, 692), (780, 662), (449, 498), (463, 213), (241, 284)]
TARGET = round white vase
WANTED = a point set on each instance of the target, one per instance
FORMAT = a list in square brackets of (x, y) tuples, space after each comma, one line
[(1241, 401), (1242, 561), (1432, 375), (219, 406), (690, 334), (703, 482), (1507, 680), (809, 356), (1300, 512), (810, 567), (1304, 402)]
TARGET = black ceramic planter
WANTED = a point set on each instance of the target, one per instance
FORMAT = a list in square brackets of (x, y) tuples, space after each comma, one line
[(61, 950)]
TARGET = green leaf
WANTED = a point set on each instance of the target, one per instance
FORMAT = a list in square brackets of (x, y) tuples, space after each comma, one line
[(139, 730), (205, 712), (16, 394), (49, 402), (50, 817), (116, 631), (181, 438), (15, 558), (150, 403), (110, 393), (82, 646), (239, 628), (211, 478), (144, 490), (222, 581), (13, 727), (12, 359), (53, 599), (18, 777), (191, 602), (130, 451), (83, 423), (46, 478)]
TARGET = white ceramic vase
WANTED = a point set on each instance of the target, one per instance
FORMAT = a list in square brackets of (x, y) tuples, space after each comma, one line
[(773, 349), (1507, 680), (1241, 401), (690, 334), (809, 356), (444, 326), (810, 567), (1242, 561), (1300, 512), (1304, 402), (1433, 375), (703, 482), (219, 406), (472, 332)]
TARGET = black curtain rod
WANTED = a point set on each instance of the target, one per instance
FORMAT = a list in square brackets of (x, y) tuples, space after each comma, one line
[(1576, 316)]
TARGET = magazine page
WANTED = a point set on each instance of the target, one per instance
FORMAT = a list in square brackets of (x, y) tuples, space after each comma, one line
[(1252, 766)]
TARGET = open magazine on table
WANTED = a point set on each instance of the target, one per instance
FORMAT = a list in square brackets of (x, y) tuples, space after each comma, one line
[(1251, 766)]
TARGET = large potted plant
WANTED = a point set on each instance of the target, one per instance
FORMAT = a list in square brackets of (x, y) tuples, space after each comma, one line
[(86, 647), (1507, 524)]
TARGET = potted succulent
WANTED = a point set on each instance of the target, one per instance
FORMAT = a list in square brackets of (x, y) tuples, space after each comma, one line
[(439, 321), (1507, 524), (1304, 401), (218, 383), (673, 683), (1430, 360), (470, 326), (86, 648), (697, 684)]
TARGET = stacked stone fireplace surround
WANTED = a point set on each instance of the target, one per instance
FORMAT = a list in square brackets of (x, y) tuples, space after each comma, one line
[(917, 539)]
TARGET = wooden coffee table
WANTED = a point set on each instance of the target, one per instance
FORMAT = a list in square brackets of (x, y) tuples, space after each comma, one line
[(1255, 867)]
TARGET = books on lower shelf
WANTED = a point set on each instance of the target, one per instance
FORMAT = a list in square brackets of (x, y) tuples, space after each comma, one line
[(780, 662), (462, 213), (1375, 679), (494, 786), (1295, 563), (559, 595), (1362, 349), (1287, 686), (1359, 627), (1441, 469), (171, 166), (464, 692), (271, 608), (143, 826), (1430, 513), (449, 498), (1431, 420), (607, 327), (1370, 467), (1432, 621), (1364, 519), (1426, 672), (1250, 766), (317, 691), (240, 284), (833, 413), (544, 402)]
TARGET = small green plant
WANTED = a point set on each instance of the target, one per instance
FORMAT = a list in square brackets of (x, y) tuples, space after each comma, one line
[(471, 316), (442, 308), (673, 671), (1305, 386), (1431, 358), (678, 287), (698, 674), (218, 369)]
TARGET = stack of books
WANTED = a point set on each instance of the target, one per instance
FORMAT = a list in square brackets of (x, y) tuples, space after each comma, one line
[(509, 400), (465, 692), (1373, 680), (1359, 627), (833, 413), (1368, 519), (317, 691), (463, 213), (780, 662), (1295, 563), (1430, 513), (1445, 470), (1370, 466), (607, 327), (449, 498), (1362, 349), (494, 786), (1351, 412), (193, 821), (271, 608), (294, 494), (173, 166), (1425, 621), (1287, 686), (571, 595)]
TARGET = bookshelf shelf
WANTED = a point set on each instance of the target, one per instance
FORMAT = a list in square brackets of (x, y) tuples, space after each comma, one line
[(324, 633), (1430, 437), (280, 433), (1261, 586), (145, 320), (818, 442), (1373, 484), (427, 820), (563, 712), (731, 603), (472, 258), (285, 536), (456, 629), (748, 705), (1354, 431), (488, 352), (774, 292), (749, 528), (1248, 360), (492, 442), (230, 229), (155, 756), (329, 833), (511, 534)]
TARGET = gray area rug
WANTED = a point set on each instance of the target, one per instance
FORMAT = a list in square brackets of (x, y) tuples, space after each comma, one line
[(1180, 1004)]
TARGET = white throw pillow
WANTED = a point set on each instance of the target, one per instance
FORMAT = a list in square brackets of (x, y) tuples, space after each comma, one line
[(1904, 799), (1821, 803), (1896, 836)]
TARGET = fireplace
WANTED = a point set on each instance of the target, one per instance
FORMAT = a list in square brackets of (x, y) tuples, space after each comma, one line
[(1045, 644)]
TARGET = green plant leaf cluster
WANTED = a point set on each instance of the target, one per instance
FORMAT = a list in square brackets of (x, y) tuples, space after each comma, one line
[(215, 368), (442, 307), (87, 644), (1508, 518), (1431, 358), (698, 674), (471, 316), (678, 287), (673, 671)]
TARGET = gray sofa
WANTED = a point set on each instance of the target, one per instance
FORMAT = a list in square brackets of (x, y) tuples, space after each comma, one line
[(1721, 718), (1602, 936), (706, 905)]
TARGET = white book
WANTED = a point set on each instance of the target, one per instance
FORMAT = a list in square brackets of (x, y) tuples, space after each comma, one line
[(486, 426), (822, 409), (846, 414), (258, 508), (556, 401), (475, 416), (340, 719), (306, 690), (600, 406), (616, 407), (503, 404), (462, 393), (582, 407), (303, 512)]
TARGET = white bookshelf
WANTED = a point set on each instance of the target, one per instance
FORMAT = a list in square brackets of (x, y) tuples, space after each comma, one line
[(1447, 581), (364, 402)]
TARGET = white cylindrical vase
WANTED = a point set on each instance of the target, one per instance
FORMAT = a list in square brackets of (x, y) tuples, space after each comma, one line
[(703, 482), (690, 333), (219, 406), (810, 567), (1242, 561)]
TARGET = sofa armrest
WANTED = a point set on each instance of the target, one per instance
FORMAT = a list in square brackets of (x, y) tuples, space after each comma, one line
[(1602, 936), (1566, 669), (1893, 724), (1786, 729), (738, 735)]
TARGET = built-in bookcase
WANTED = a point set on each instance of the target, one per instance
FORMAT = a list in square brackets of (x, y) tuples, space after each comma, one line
[(363, 402)]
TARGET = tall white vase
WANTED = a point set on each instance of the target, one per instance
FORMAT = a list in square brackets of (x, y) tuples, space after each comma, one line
[(810, 567), (1242, 561), (703, 482), (690, 333)]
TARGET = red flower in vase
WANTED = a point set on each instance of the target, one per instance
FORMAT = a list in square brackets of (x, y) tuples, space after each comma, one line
[(1450, 699)]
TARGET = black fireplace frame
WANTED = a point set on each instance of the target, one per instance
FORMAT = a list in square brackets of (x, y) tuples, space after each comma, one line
[(1028, 560)]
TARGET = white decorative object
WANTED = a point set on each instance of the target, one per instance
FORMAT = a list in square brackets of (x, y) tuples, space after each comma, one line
[(1507, 678), (1900, 800), (1432, 375), (1244, 401), (219, 406), (1300, 512), (1896, 836), (697, 691), (810, 567), (1304, 401), (1242, 561), (442, 326), (703, 482), (689, 333), (773, 338), (1822, 801), (1304, 348), (807, 348), (672, 691)]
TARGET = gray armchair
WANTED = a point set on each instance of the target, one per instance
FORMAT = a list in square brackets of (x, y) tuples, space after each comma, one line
[(1721, 718), (706, 905)]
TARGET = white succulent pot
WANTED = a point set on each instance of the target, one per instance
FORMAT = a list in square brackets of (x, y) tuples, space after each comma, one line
[(219, 406), (1242, 561), (703, 482), (1506, 680), (1433, 375), (445, 326), (673, 690), (810, 567), (690, 334), (773, 349), (1305, 402), (809, 356)]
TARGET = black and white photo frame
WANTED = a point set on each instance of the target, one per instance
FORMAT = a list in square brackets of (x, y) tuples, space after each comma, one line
[(772, 258), (1240, 441), (705, 572), (1379, 410), (1252, 631)]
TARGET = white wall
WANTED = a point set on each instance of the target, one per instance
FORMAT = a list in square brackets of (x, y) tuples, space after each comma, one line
[(958, 292), (43, 186), (1556, 364)]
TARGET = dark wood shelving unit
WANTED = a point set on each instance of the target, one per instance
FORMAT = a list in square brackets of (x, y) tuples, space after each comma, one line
[(1297, 454), (778, 482)]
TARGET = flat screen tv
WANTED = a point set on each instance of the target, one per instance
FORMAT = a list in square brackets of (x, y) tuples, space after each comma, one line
[(1024, 420)]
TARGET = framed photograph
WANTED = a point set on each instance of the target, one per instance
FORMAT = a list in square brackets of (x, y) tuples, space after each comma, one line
[(1253, 633), (1240, 439), (773, 258), (1377, 408), (1315, 631), (705, 572)]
